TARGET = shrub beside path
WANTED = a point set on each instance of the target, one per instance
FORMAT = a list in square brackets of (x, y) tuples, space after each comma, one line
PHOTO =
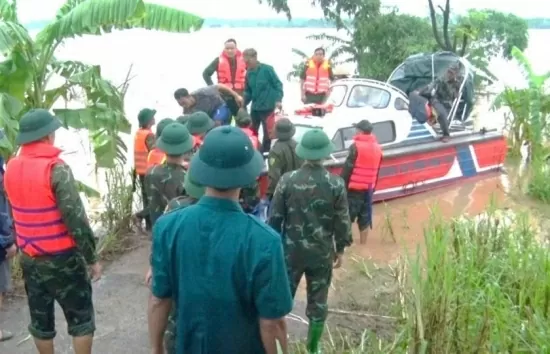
[(121, 313)]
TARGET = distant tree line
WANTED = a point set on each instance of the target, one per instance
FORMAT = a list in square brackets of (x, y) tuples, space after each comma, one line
[(534, 23)]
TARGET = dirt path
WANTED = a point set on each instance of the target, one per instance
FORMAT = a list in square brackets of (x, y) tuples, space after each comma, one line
[(120, 299)]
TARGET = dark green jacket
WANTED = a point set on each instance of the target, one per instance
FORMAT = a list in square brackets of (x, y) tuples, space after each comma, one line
[(282, 159), (72, 211), (263, 88)]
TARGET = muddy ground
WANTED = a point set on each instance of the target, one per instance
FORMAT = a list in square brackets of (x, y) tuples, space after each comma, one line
[(121, 301)]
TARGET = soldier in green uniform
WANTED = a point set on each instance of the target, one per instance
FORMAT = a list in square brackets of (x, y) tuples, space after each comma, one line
[(195, 192), (52, 276), (310, 209), (223, 268), (198, 124), (166, 181), (282, 156)]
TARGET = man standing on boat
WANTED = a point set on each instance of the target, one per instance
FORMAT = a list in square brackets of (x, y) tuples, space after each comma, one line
[(53, 234), (316, 77), (441, 94), (209, 100), (360, 173), (265, 90), (144, 142), (310, 209), (231, 71), (224, 269)]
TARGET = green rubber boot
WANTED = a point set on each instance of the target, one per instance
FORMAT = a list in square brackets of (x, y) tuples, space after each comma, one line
[(314, 335)]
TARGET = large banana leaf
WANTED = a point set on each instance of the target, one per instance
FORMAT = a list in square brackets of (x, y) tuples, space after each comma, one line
[(14, 36), (8, 11), (94, 17)]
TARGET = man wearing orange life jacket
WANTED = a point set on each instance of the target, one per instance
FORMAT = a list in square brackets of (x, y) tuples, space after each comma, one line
[(53, 235), (144, 142), (360, 173), (316, 77), (157, 156), (231, 71)]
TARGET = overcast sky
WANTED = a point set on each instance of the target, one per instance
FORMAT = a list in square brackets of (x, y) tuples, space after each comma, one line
[(33, 10)]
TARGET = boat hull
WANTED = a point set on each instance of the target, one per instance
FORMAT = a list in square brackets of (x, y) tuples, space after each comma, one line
[(409, 170)]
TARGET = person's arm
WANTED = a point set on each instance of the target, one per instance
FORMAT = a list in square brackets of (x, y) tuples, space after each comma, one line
[(227, 90), (278, 208), (209, 71), (342, 224), (6, 223), (72, 211), (303, 80), (150, 142), (247, 95), (271, 291), (273, 172), (154, 207), (276, 84), (348, 165), (160, 301)]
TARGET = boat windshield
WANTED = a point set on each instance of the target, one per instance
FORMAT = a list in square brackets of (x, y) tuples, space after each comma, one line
[(336, 95), (301, 129)]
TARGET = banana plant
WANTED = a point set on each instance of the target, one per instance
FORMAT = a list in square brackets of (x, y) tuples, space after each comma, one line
[(29, 66), (530, 108)]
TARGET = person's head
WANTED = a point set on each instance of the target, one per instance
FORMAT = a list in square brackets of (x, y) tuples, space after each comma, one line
[(453, 72), (183, 119), (226, 162), (161, 125), (314, 146), (37, 125), (193, 189), (284, 129), (230, 47), (319, 55), (175, 141), (146, 118), (250, 57), (199, 123), (183, 98), (243, 119), (363, 127)]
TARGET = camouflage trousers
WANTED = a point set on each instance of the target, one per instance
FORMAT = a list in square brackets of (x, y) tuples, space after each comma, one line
[(170, 333), (62, 278), (318, 278), (360, 208)]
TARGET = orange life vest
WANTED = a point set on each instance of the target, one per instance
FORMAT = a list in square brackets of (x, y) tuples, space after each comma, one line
[(141, 151), (224, 71), (155, 157), (317, 77), (197, 141), (39, 226), (365, 170), (253, 137)]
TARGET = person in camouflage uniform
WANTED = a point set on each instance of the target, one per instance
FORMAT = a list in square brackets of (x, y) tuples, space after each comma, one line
[(166, 181), (441, 94), (310, 209), (282, 156), (51, 276), (195, 192)]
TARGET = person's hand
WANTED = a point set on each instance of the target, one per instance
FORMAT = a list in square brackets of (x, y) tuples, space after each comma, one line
[(239, 100), (148, 277), (338, 260), (95, 270), (158, 350), (279, 105), (12, 251), (304, 98)]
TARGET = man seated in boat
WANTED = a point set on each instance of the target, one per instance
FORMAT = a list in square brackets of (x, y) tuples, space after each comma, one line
[(441, 94)]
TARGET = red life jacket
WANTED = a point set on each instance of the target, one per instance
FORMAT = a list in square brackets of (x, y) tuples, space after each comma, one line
[(38, 222), (156, 157), (140, 150), (253, 137), (369, 156), (317, 77), (224, 71), (197, 141)]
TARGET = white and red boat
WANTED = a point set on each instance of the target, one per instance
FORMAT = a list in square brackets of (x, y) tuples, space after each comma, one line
[(415, 160)]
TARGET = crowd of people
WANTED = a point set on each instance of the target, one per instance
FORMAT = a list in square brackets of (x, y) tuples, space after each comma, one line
[(222, 280)]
